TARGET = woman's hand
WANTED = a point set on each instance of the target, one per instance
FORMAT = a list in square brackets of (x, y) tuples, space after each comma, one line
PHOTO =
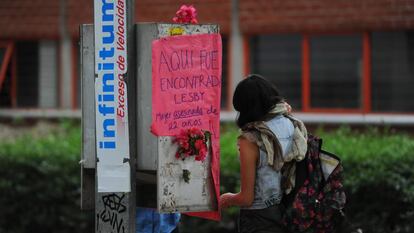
[(288, 107), (226, 200)]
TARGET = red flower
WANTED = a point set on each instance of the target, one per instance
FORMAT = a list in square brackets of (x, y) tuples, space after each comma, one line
[(192, 142), (184, 144), (199, 144), (201, 154), (194, 132), (188, 153), (186, 14), (181, 137)]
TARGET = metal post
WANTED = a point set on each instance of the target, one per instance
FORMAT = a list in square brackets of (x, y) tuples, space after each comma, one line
[(88, 153), (114, 211), (131, 84)]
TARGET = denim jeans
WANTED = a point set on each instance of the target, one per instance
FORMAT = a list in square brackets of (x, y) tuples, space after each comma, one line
[(149, 221)]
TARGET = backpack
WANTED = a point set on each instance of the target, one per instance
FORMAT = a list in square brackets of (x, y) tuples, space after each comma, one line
[(316, 203)]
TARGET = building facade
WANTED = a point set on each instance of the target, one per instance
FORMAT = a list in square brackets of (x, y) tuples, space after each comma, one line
[(336, 58)]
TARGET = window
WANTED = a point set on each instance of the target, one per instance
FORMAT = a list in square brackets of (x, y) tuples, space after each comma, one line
[(7, 75), (27, 78), (393, 71), (278, 58), (335, 71), (353, 73)]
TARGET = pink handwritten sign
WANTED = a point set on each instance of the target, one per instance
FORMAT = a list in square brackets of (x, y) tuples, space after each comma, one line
[(186, 88), (186, 81)]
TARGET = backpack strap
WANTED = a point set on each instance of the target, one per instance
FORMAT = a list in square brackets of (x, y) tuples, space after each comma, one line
[(294, 173)]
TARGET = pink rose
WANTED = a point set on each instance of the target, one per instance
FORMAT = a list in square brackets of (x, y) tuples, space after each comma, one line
[(202, 153), (199, 143), (184, 144), (191, 142), (194, 21), (186, 14), (195, 132)]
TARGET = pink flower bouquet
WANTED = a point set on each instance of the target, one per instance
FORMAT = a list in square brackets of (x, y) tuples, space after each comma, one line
[(186, 14), (192, 143)]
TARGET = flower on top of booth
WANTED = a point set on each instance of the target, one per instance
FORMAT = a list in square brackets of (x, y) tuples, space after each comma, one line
[(186, 14)]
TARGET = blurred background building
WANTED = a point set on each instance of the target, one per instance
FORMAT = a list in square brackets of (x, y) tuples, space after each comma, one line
[(334, 61)]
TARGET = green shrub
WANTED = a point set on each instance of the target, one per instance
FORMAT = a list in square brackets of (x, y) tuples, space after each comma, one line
[(40, 184), (378, 176)]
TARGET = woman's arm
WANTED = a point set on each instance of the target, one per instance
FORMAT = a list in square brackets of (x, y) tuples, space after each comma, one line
[(249, 154)]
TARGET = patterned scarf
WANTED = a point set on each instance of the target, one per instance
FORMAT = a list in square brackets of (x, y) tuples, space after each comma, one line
[(258, 132)]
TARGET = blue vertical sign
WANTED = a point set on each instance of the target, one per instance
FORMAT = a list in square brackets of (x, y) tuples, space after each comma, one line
[(112, 136)]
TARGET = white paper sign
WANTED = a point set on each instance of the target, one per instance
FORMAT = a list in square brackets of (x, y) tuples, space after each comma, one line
[(112, 137)]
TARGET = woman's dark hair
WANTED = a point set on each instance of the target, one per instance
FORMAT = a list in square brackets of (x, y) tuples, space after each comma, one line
[(253, 98)]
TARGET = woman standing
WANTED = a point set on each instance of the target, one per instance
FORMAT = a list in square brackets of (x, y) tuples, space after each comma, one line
[(269, 138)]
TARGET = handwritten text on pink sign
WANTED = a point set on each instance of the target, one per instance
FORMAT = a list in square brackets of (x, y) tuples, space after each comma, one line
[(186, 83)]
